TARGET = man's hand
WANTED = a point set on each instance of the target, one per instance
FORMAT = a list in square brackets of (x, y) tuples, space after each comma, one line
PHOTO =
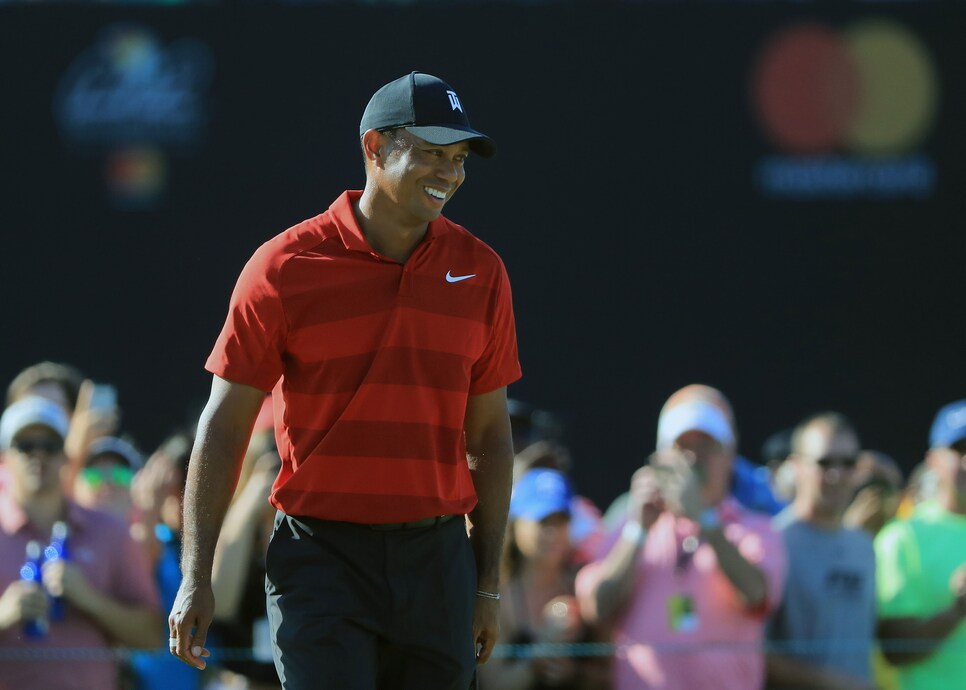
[(64, 579), (486, 627), (22, 601), (646, 496), (680, 482), (188, 622)]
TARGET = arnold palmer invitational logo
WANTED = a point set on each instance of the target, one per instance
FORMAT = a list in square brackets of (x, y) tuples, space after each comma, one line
[(135, 100), (129, 88), (848, 109)]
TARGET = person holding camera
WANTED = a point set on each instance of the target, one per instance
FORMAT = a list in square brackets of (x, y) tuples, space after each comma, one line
[(686, 581)]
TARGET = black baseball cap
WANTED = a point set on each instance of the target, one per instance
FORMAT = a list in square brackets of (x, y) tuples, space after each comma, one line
[(425, 106)]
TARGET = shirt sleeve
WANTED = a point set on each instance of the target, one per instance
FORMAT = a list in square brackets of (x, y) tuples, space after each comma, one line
[(499, 364), (249, 348)]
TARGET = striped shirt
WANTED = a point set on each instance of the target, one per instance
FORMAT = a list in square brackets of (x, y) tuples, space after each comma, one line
[(372, 362)]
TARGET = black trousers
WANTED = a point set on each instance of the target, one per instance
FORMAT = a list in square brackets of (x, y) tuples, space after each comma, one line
[(352, 608)]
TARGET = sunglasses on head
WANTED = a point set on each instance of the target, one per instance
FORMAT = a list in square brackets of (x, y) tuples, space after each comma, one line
[(118, 475), (29, 446), (846, 462)]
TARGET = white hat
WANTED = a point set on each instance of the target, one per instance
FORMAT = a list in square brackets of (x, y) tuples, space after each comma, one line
[(28, 412), (694, 415)]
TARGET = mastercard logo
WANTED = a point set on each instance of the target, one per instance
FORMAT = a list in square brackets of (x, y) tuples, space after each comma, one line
[(869, 89)]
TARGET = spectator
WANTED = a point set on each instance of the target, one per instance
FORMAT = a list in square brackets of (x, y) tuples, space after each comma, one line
[(529, 424), (878, 491), (586, 521), (922, 568), (821, 635), (59, 383), (105, 481), (878, 485), (65, 385), (774, 454), (105, 583), (686, 581), (538, 588), (750, 484), (156, 523), (920, 488)]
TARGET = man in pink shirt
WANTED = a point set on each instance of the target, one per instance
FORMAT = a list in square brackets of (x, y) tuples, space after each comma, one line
[(105, 584), (685, 584)]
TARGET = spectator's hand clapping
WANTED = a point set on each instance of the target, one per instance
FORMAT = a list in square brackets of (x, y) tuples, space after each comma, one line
[(646, 496), (681, 483)]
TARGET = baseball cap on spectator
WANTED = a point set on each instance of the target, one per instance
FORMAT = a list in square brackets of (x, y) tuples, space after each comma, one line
[(426, 106), (540, 492), (949, 425), (117, 447), (32, 411), (693, 415)]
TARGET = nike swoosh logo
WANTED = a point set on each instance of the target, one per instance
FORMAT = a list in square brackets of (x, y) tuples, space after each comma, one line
[(455, 279)]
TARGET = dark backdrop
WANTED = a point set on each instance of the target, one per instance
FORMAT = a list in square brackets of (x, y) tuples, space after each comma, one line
[(642, 253)]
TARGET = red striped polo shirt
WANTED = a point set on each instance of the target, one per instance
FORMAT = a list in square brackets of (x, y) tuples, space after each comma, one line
[(372, 362)]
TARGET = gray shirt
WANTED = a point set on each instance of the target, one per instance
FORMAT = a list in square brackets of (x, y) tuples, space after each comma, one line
[(827, 615)]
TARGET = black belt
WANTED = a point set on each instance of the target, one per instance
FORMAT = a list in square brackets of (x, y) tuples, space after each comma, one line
[(415, 524)]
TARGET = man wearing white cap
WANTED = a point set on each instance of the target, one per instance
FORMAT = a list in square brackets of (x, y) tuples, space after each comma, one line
[(686, 581), (106, 586)]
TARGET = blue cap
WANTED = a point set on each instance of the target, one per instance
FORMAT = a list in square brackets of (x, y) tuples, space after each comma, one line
[(540, 492), (949, 425)]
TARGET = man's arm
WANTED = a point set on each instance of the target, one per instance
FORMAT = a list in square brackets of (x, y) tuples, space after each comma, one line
[(747, 578), (223, 435), (489, 449), (618, 574), (908, 640)]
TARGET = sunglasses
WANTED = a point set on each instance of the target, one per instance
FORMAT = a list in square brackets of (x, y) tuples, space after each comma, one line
[(45, 446), (845, 462), (117, 475)]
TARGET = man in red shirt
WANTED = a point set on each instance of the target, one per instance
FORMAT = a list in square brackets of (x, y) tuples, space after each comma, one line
[(386, 334)]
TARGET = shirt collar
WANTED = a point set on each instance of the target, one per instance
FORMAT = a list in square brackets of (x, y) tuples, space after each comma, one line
[(351, 234)]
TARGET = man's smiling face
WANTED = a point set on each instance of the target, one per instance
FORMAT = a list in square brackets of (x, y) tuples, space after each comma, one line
[(421, 177)]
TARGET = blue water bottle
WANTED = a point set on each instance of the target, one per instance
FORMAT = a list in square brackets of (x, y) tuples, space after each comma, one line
[(57, 550), (30, 571)]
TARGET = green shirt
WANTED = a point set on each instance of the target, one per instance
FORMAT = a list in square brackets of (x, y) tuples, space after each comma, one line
[(915, 559)]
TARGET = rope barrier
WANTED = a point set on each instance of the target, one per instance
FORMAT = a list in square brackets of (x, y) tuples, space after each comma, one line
[(514, 651)]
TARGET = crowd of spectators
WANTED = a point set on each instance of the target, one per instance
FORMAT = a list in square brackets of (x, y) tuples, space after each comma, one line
[(817, 565)]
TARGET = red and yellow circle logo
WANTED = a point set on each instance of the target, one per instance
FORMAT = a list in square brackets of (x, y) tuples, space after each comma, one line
[(870, 89)]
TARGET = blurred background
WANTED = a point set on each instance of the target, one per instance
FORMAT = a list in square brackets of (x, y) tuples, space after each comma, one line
[(766, 197)]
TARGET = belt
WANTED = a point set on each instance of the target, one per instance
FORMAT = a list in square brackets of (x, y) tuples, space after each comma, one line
[(415, 524)]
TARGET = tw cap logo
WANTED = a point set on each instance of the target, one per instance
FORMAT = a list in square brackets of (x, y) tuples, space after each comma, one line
[(454, 101)]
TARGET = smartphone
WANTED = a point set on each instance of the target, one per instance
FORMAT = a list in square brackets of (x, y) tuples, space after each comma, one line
[(104, 397)]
